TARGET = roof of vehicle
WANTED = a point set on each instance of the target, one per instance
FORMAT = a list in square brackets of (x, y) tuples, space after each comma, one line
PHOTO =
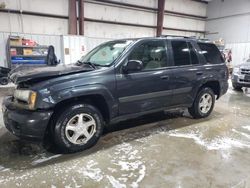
[(175, 37)]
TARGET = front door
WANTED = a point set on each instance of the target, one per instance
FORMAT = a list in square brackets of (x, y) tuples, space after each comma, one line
[(148, 89)]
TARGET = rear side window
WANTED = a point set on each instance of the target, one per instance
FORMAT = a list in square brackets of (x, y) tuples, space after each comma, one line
[(211, 53), (181, 53)]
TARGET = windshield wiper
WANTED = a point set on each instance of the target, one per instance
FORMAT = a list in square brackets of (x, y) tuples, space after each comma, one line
[(93, 65)]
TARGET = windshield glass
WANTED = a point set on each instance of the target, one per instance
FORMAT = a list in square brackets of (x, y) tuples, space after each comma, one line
[(105, 54)]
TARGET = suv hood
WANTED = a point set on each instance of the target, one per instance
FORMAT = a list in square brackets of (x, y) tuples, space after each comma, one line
[(44, 73)]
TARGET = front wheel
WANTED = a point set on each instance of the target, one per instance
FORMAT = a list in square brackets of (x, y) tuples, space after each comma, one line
[(203, 104), (78, 127)]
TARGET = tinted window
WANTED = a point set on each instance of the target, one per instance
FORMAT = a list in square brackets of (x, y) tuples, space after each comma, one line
[(211, 53), (180, 53), (152, 54), (193, 54)]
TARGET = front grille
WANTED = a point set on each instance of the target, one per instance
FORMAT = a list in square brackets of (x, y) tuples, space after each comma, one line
[(245, 71), (244, 80)]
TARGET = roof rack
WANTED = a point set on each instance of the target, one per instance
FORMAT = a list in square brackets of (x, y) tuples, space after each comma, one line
[(185, 37), (204, 40), (177, 36)]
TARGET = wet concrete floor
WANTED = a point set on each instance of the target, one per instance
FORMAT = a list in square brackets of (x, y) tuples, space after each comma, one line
[(159, 150)]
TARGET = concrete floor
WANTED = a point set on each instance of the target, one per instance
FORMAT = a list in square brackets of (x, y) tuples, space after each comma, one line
[(176, 151)]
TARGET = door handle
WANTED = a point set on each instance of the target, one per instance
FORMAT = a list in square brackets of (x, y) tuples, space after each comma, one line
[(199, 73), (165, 77)]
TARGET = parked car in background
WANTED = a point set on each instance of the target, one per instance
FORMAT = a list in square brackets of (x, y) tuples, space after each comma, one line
[(241, 75), (116, 81)]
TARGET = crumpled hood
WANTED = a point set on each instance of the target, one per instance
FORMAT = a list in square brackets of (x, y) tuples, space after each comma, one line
[(47, 72)]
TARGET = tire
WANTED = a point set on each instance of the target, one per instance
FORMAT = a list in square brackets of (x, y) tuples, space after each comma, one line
[(197, 111), (67, 130), (4, 81), (237, 88)]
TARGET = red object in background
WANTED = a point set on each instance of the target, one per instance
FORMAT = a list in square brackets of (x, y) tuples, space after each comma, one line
[(28, 42), (13, 52)]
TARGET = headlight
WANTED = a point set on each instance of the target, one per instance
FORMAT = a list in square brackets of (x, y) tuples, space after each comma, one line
[(26, 96), (236, 70)]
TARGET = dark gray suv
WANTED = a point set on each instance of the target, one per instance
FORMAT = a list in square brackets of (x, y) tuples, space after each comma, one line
[(117, 80)]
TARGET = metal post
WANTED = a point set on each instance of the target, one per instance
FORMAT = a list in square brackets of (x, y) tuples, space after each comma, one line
[(81, 17), (72, 17), (160, 17)]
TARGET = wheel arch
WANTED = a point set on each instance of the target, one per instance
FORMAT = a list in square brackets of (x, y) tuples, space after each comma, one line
[(214, 85), (101, 101), (96, 100)]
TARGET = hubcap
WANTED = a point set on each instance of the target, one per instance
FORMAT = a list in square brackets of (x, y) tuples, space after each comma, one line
[(205, 103), (80, 128)]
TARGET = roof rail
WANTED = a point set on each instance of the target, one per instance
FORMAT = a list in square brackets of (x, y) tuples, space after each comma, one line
[(178, 36), (204, 40), (185, 37)]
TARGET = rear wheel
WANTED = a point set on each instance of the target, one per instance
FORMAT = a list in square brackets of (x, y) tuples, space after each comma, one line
[(203, 104), (78, 127)]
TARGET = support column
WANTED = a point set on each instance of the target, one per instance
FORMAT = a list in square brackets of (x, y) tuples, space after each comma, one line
[(81, 17), (72, 17), (160, 17)]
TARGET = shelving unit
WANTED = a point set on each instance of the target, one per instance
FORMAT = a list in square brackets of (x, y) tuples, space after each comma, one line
[(28, 55)]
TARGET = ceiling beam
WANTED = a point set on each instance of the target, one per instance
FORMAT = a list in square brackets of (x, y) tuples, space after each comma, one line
[(72, 17), (160, 17), (81, 16)]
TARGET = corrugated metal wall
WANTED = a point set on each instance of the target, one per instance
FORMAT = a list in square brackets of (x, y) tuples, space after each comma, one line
[(103, 11), (240, 52), (229, 20)]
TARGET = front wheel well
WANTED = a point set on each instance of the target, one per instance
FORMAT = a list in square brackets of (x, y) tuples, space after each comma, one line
[(214, 85), (96, 100)]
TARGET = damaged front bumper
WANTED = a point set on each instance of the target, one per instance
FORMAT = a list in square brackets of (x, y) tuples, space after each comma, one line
[(25, 124)]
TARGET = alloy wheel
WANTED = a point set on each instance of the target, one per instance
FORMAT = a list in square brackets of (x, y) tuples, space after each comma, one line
[(80, 128), (205, 103)]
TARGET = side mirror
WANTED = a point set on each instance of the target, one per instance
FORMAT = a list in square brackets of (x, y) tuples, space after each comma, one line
[(133, 66)]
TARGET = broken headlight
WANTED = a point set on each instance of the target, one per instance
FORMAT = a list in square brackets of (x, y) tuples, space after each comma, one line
[(28, 97)]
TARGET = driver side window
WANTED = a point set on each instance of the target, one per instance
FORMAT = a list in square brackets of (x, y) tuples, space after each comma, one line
[(152, 54)]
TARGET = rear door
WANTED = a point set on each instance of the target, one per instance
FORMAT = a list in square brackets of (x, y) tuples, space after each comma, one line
[(185, 71), (148, 89)]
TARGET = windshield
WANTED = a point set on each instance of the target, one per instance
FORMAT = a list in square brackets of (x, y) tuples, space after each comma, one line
[(107, 53)]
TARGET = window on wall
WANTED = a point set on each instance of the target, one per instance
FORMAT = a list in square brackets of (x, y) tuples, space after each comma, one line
[(152, 54), (180, 53)]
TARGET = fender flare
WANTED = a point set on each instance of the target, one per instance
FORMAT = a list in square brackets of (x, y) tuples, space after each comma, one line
[(50, 101)]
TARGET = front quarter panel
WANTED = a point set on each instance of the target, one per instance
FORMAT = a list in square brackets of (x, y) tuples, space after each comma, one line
[(79, 85)]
